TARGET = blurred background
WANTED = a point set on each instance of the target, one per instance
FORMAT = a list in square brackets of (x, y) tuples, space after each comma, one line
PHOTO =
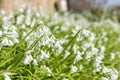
[(61, 5)]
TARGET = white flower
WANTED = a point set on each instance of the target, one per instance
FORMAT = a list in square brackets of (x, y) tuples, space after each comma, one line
[(28, 20), (98, 60), (2, 12), (57, 44), (75, 48), (91, 53), (86, 33), (78, 57), (73, 69), (58, 47), (28, 52), (6, 75), (85, 46), (37, 14), (15, 40), (5, 19), (11, 15), (35, 62), (20, 19), (44, 30), (1, 33), (28, 59), (80, 67), (9, 32), (22, 8), (63, 28), (44, 55), (33, 22), (23, 26), (114, 74), (47, 69), (112, 56), (105, 70), (102, 48), (67, 53), (91, 37), (7, 42), (98, 69), (104, 78)]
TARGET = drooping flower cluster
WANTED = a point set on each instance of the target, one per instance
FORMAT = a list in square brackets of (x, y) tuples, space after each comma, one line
[(8, 31)]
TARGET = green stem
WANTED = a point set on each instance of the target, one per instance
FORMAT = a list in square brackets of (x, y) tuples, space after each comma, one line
[(67, 47)]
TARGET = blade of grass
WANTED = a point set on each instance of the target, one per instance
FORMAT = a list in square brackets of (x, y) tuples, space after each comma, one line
[(67, 47)]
